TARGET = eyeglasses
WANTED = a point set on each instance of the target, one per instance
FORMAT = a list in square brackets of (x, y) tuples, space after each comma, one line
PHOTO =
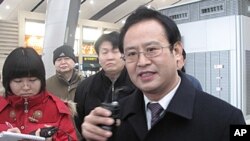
[(151, 51)]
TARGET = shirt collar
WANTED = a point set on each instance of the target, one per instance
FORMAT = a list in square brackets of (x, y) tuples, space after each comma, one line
[(166, 99)]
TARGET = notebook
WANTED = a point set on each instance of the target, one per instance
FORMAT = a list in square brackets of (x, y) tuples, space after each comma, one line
[(9, 136)]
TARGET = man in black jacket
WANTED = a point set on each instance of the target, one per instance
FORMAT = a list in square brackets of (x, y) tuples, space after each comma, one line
[(110, 84), (166, 105)]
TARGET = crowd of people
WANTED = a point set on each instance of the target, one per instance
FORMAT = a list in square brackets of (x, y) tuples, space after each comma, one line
[(142, 70)]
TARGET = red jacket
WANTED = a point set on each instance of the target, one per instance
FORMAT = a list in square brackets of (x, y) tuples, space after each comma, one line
[(31, 113)]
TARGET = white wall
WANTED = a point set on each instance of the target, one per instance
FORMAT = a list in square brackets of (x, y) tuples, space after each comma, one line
[(224, 33), (245, 40), (217, 34), (209, 35), (246, 33)]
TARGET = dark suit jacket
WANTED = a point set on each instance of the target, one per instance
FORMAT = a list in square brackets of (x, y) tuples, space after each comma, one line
[(192, 115)]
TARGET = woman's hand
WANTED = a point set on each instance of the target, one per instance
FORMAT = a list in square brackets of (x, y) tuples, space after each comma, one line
[(14, 130)]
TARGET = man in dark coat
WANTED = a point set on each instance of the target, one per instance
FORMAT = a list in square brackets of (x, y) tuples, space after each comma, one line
[(166, 105), (109, 84), (199, 117)]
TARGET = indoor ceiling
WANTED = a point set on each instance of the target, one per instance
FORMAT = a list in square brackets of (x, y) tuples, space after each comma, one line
[(113, 11)]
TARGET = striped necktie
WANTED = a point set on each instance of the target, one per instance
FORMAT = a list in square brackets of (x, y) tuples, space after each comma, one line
[(156, 110)]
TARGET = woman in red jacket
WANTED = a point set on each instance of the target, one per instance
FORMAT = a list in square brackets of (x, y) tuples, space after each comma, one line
[(26, 104)]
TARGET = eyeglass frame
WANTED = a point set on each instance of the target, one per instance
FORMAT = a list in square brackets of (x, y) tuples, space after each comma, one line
[(146, 54)]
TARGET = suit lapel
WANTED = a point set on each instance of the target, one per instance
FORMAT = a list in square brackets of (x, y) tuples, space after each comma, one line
[(183, 101), (136, 114)]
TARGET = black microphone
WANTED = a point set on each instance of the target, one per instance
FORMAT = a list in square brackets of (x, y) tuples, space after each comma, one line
[(115, 110), (48, 131), (113, 106)]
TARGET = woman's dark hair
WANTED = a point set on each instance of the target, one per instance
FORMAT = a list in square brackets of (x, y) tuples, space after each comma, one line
[(23, 62), (112, 37), (143, 13)]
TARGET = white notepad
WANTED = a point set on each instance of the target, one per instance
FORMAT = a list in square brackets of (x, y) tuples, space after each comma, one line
[(9, 136)]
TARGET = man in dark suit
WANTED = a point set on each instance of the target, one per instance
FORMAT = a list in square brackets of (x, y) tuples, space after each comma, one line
[(166, 105)]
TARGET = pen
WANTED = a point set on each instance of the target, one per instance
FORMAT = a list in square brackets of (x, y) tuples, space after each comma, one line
[(8, 124)]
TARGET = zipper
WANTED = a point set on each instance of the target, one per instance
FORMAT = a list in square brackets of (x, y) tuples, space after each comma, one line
[(114, 95), (68, 94), (26, 103), (69, 88)]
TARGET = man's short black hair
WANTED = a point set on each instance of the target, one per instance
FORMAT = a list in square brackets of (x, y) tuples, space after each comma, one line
[(184, 54), (112, 37), (184, 58), (143, 13)]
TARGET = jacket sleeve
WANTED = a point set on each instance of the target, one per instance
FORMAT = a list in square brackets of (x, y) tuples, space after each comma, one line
[(80, 97)]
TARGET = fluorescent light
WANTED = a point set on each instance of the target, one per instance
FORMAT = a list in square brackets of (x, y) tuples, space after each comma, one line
[(34, 28), (7, 7), (91, 2), (91, 34)]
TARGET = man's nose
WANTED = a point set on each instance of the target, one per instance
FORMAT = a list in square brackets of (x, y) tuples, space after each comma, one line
[(142, 59)]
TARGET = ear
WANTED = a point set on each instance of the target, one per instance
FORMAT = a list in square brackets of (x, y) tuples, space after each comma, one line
[(177, 51)]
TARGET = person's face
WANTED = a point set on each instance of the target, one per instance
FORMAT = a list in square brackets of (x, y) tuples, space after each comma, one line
[(110, 59), (158, 75), (64, 64), (25, 86)]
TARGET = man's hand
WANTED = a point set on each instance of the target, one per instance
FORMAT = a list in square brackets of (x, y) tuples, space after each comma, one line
[(90, 128)]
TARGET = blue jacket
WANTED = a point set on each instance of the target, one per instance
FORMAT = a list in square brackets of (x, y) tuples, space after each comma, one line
[(194, 81)]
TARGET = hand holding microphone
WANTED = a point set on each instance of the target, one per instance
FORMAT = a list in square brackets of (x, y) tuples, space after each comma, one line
[(115, 110)]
